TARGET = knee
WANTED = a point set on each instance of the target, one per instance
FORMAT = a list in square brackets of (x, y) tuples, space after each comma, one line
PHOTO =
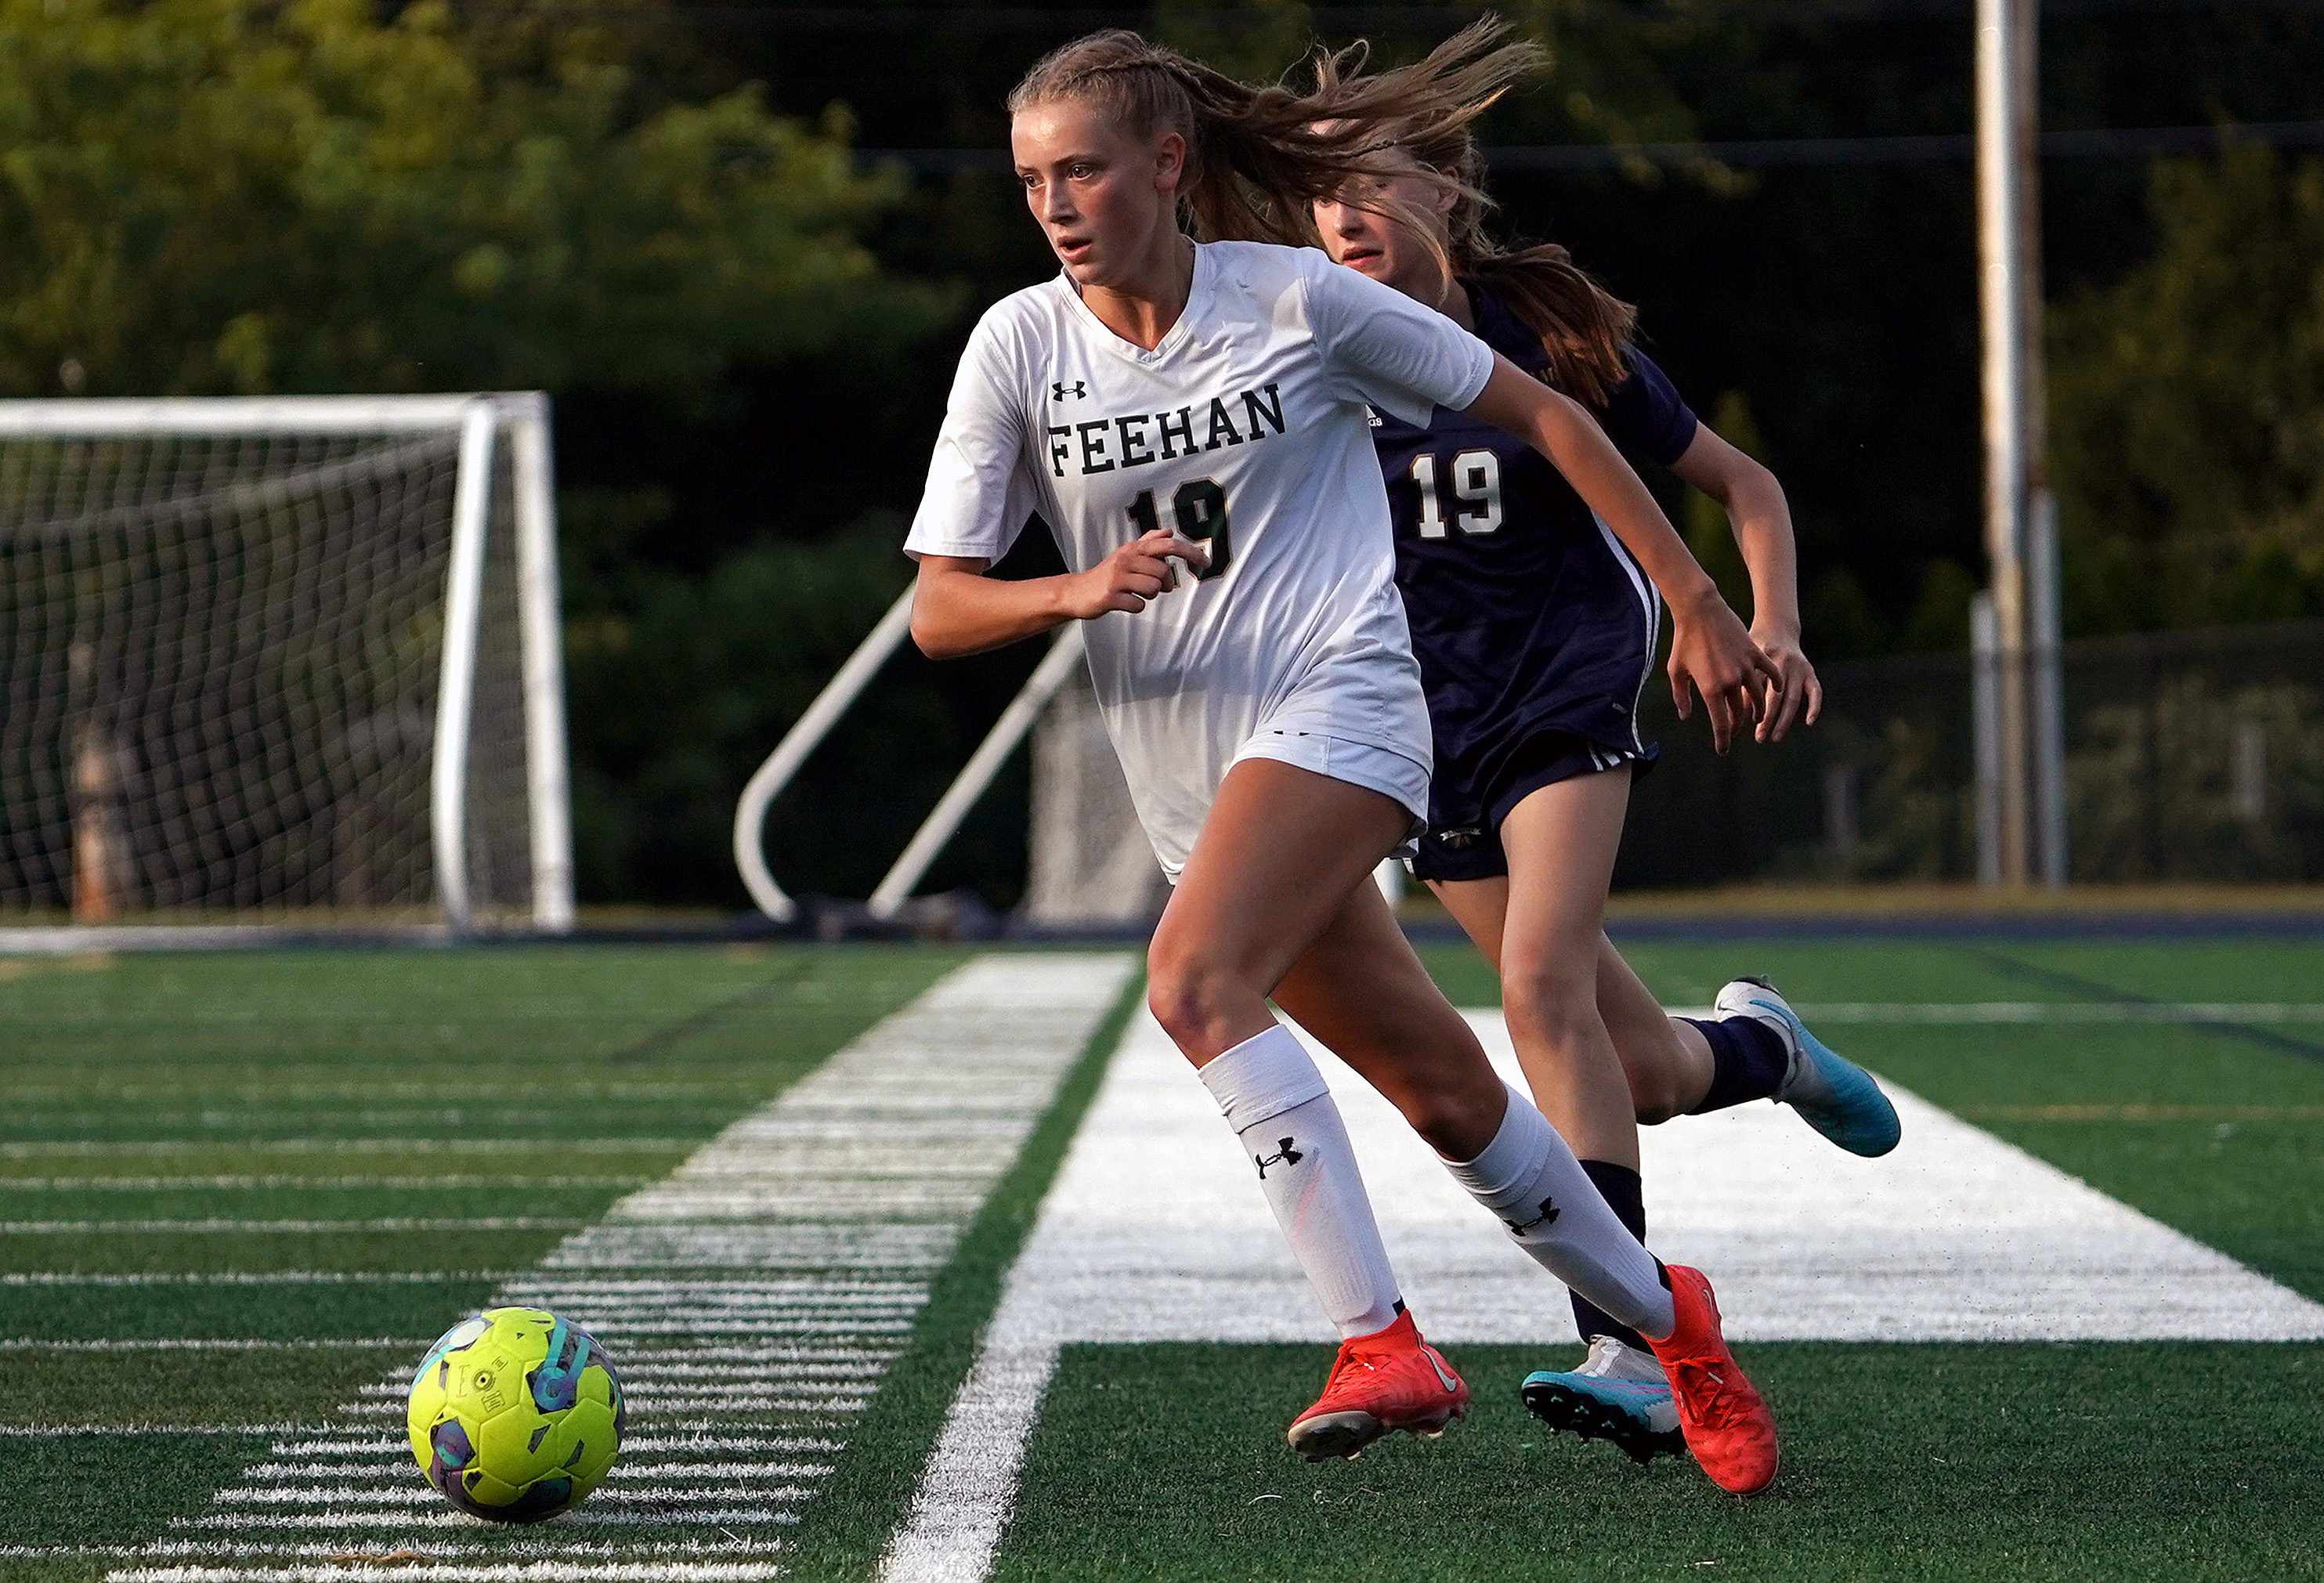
[(1456, 1120), (1653, 1096), (1192, 993), (1556, 1001)]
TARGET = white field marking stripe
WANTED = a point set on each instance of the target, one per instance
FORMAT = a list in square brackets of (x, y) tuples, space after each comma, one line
[(174, 1344), (2065, 1011), (284, 1228), (647, 1356), (622, 1470), (416, 1494), (532, 1546), (646, 1398), (249, 1094), (251, 1278), (535, 1544), (1024, 1018), (585, 1516), (757, 1375), (1955, 1236), (88, 1148), (303, 1183), (47, 1431), (461, 1572)]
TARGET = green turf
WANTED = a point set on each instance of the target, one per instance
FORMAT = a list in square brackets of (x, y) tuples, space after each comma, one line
[(369, 1087), (1925, 1463), (173, 1389), (318, 1086)]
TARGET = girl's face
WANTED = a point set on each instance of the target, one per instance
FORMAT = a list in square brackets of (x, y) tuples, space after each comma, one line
[(1356, 233), (1103, 198)]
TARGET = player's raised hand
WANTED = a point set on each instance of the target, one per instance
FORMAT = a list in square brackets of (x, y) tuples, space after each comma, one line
[(1133, 574), (1799, 690), (1713, 653)]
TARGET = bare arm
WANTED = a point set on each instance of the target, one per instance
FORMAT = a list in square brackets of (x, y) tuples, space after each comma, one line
[(1710, 647), (1754, 501), (957, 610)]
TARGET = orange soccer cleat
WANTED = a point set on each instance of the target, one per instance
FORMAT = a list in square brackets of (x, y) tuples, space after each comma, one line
[(1388, 1380), (1726, 1424)]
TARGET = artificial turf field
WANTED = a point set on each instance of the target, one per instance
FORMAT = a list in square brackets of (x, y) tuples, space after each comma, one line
[(237, 1193)]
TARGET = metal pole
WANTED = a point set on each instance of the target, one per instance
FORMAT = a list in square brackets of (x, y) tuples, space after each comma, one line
[(2045, 706), (2000, 205), (1984, 725), (472, 495), (810, 729), (1064, 653), (541, 631)]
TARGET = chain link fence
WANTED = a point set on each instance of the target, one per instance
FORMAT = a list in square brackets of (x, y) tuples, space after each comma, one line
[(2189, 756)]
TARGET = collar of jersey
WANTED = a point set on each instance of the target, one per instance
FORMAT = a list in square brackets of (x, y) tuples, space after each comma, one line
[(1198, 297)]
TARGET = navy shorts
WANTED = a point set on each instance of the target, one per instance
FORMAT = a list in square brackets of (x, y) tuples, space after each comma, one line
[(1465, 838)]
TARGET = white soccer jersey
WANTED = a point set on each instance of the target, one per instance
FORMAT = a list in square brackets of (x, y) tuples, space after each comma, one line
[(1246, 427)]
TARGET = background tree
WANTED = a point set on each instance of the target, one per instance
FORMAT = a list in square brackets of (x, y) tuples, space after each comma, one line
[(2187, 404)]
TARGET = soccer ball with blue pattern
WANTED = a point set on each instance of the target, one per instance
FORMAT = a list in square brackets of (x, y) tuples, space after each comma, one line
[(515, 1416)]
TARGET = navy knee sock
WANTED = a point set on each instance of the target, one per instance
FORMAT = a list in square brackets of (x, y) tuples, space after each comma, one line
[(1748, 1061), (1626, 1195)]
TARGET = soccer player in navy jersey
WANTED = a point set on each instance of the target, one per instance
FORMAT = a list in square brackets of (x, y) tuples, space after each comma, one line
[(1536, 630)]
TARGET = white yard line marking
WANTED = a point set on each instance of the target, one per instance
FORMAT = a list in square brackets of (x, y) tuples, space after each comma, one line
[(290, 1227), (2063, 1011), (306, 1184), (253, 1277), (195, 1345), (1153, 1232), (760, 1287), (101, 1148)]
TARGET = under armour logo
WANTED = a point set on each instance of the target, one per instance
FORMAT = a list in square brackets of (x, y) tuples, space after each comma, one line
[(1548, 1214), (1459, 840), (1058, 389), (1285, 1155)]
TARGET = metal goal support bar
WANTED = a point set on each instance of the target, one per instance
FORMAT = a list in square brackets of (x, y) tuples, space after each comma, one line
[(944, 821)]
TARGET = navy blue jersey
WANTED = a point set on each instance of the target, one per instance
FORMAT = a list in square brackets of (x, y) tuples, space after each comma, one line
[(1527, 615)]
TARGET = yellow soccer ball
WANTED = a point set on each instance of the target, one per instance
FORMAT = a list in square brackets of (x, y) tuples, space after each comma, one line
[(515, 1416)]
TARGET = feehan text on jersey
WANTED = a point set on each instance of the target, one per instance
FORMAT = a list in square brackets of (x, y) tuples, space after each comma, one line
[(1104, 444)]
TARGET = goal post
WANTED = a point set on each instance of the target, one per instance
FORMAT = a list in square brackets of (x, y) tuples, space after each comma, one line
[(285, 661)]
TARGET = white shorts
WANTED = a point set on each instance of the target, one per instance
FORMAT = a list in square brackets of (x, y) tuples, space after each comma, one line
[(1376, 769), (1380, 769)]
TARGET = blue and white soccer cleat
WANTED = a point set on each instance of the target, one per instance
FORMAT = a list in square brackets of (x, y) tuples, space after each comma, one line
[(1831, 1093), (1618, 1395)]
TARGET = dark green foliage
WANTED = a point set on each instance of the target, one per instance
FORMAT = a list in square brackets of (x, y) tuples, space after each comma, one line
[(2186, 400)]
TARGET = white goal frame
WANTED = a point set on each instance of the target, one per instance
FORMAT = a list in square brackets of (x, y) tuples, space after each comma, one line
[(482, 420)]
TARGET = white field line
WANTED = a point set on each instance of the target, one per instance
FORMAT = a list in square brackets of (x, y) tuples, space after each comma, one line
[(734, 1303), (132, 1148), (1152, 1231), (306, 1184), (290, 1227), (654, 1571), (253, 1278), (174, 1344), (2063, 1011)]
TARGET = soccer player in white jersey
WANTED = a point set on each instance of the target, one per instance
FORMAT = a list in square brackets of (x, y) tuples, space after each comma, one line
[(1534, 647), (1191, 420)]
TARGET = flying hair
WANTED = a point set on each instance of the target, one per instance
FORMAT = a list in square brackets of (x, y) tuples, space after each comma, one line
[(1583, 327), (1259, 158)]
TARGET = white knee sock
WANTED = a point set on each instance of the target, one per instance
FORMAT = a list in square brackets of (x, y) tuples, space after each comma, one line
[(1271, 1094), (1530, 1179)]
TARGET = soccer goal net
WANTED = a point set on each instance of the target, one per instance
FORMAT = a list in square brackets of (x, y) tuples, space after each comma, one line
[(286, 661)]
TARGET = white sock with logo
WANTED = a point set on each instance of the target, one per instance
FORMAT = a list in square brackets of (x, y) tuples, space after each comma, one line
[(1533, 1184), (1278, 1104)]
